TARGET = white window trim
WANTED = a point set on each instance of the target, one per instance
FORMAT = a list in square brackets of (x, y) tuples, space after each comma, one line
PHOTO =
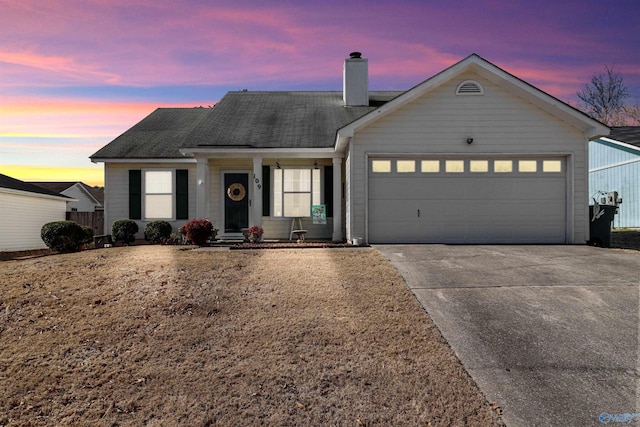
[(282, 192), (144, 194)]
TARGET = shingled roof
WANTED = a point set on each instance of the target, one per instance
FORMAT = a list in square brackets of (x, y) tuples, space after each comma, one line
[(242, 120), (280, 119), (16, 184), (159, 135), (626, 134), (60, 186)]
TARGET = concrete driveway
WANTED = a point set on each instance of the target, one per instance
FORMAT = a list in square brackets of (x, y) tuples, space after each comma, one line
[(550, 333)]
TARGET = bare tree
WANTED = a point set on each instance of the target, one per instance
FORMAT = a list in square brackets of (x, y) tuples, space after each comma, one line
[(632, 113), (604, 97)]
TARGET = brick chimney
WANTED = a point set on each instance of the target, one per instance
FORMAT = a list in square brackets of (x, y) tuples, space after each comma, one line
[(356, 80)]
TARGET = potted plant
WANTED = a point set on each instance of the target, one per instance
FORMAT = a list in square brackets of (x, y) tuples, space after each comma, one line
[(254, 234)]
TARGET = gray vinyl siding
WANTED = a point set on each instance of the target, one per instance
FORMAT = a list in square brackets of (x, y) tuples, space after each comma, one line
[(280, 228), (439, 123), (274, 228), (116, 192)]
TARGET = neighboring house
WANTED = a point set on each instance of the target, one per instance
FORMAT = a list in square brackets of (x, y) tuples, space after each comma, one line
[(24, 209), (614, 165), (89, 199), (471, 155)]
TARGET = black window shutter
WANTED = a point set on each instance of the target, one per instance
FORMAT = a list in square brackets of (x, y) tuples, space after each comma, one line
[(182, 194), (266, 190), (135, 194), (328, 190)]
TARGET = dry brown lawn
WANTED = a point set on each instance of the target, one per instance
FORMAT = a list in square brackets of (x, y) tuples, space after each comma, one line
[(160, 335)]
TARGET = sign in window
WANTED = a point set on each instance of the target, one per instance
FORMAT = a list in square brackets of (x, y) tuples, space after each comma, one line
[(295, 190)]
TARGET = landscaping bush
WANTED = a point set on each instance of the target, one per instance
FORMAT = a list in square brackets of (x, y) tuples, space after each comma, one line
[(88, 235), (176, 239), (197, 231), (157, 231), (124, 230), (63, 236)]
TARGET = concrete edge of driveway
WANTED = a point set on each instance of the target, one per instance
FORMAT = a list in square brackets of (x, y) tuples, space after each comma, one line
[(549, 333)]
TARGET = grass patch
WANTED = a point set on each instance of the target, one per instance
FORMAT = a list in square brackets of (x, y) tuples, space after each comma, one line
[(156, 335)]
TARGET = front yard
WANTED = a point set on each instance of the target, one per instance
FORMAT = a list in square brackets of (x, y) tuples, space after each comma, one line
[(160, 335)]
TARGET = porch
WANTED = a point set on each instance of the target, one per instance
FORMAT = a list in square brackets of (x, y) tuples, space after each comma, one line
[(270, 192)]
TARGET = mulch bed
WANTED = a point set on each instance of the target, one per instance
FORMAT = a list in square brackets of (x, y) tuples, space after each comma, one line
[(626, 239), (620, 239), (5, 256), (292, 245)]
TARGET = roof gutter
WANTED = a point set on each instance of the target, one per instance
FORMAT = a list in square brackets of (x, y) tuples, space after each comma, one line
[(38, 195), (144, 160), (264, 152)]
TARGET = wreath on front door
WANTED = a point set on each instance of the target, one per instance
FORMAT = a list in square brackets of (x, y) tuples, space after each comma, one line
[(236, 192)]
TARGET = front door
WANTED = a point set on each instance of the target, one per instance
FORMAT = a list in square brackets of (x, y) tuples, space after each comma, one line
[(236, 202)]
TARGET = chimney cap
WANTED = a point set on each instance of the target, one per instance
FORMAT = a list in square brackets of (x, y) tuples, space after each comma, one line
[(355, 55)]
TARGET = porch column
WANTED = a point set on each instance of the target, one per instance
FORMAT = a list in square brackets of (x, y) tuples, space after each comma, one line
[(256, 198), (337, 200), (203, 175)]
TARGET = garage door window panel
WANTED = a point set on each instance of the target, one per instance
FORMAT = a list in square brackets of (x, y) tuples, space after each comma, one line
[(430, 166), (527, 166), (552, 166), (503, 166), (454, 166), (381, 166), (478, 166), (405, 166)]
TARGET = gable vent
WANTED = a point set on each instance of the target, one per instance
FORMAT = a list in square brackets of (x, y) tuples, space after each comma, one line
[(469, 87)]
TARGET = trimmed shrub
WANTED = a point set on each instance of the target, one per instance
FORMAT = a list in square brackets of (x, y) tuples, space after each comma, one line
[(197, 231), (124, 230), (88, 235), (157, 231), (63, 236), (176, 239)]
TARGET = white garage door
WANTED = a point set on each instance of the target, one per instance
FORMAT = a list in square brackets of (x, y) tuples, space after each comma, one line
[(475, 200)]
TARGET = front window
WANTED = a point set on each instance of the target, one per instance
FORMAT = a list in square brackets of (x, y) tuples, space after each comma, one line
[(158, 194), (295, 190)]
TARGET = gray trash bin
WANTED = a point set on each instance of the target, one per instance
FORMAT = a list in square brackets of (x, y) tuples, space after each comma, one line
[(600, 220)]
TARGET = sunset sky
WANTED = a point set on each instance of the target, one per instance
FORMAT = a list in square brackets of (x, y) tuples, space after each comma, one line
[(75, 74)]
